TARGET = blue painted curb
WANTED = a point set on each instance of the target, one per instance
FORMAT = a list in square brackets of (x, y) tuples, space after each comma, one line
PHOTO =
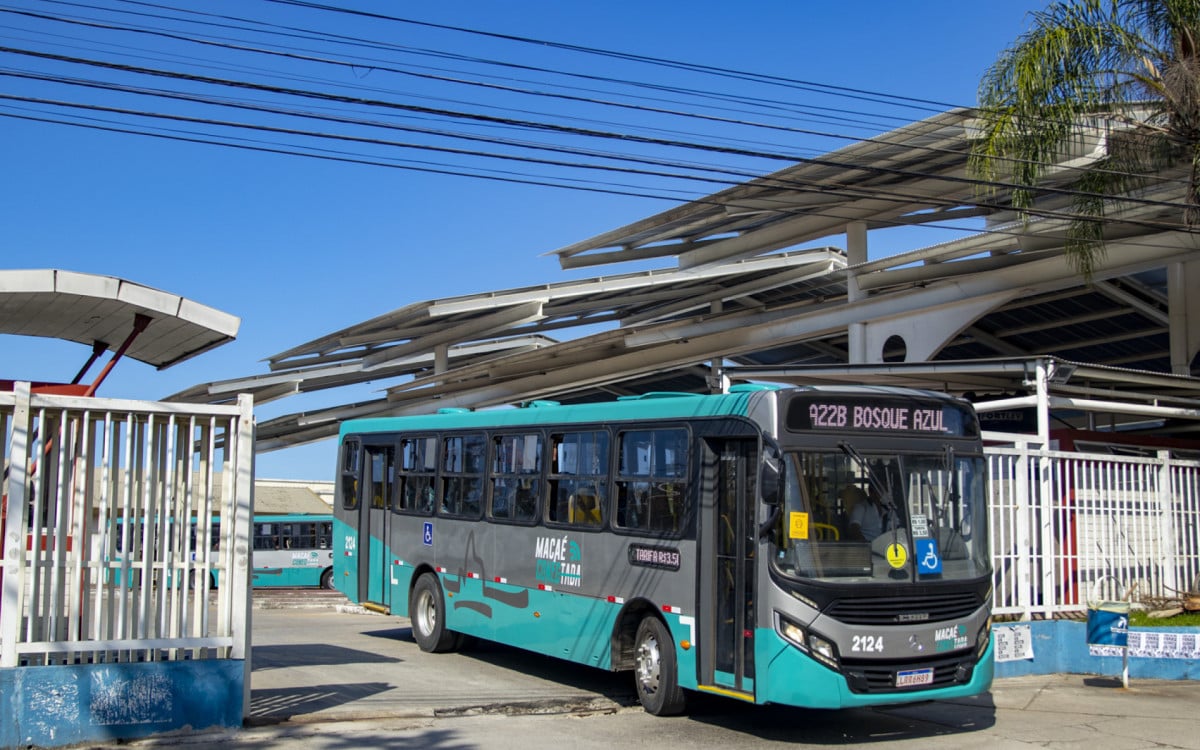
[(65, 705)]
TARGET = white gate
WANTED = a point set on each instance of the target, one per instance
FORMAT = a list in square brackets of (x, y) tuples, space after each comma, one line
[(109, 547), (1063, 521)]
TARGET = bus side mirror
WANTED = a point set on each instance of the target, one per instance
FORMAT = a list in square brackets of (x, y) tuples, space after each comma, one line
[(771, 474)]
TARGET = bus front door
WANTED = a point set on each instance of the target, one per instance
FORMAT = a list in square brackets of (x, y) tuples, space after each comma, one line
[(373, 570), (727, 666)]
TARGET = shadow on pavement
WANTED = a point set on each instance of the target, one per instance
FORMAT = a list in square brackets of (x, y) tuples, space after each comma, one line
[(851, 726), (615, 686), (273, 705), (280, 656)]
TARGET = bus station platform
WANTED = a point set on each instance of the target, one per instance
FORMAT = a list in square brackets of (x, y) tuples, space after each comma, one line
[(324, 678)]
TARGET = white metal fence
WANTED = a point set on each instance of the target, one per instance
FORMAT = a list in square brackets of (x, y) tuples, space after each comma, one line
[(1068, 527), (108, 545)]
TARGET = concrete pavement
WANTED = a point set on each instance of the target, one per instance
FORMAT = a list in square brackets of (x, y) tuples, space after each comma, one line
[(337, 680)]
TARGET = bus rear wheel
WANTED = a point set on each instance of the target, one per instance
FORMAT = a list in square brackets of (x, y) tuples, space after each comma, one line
[(327, 578), (427, 612), (655, 674)]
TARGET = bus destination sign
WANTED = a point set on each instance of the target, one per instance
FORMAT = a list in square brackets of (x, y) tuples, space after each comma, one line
[(875, 416)]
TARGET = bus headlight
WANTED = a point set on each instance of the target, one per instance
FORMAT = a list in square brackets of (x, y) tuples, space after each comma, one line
[(985, 637), (807, 641), (793, 632), (823, 650)]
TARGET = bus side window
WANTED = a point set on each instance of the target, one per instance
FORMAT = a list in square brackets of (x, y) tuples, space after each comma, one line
[(381, 475), (265, 536), (652, 480), (516, 476), (463, 459), (416, 471), (579, 479), (350, 459)]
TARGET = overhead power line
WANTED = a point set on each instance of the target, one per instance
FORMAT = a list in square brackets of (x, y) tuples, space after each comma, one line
[(468, 31), (478, 118), (924, 104)]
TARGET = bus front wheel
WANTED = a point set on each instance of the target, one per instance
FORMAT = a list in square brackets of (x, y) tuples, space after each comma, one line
[(655, 674), (427, 611), (327, 578)]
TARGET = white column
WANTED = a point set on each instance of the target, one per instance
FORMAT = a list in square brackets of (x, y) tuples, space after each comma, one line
[(1043, 404), (240, 594), (13, 544)]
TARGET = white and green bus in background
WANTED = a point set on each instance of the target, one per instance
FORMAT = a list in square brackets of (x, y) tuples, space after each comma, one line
[(290, 550), (703, 542)]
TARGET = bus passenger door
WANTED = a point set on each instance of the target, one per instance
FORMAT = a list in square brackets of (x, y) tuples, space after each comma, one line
[(374, 572), (727, 600)]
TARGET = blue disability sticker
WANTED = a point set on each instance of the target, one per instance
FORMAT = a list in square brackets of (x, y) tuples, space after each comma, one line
[(427, 534), (929, 559)]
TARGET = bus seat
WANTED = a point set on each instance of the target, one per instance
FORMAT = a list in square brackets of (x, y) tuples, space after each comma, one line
[(584, 509)]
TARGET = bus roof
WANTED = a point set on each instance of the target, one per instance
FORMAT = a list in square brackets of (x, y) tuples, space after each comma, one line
[(647, 406), (656, 405)]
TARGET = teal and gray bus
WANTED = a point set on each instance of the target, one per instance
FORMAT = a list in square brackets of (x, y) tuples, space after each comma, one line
[(290, 550), (702, 542)]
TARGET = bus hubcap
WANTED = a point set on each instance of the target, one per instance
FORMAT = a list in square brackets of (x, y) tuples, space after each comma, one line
[(648, 665), (426, 614)]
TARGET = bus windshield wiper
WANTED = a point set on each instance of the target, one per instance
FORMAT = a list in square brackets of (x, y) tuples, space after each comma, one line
[(950, 493), (884, 491)]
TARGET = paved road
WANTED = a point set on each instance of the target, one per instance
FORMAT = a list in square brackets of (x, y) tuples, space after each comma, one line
[(330, 680)]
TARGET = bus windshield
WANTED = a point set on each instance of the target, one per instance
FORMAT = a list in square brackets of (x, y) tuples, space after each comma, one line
[(851, 516)]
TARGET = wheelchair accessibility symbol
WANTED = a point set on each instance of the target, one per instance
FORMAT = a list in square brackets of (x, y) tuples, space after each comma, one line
[(929, 560), (427, 534)]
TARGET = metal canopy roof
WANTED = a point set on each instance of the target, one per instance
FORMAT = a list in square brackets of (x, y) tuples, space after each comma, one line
[(87, 309), (1080, 396), (627, 299), (736, 301), (478, 336), (993, 377), (916, 174)]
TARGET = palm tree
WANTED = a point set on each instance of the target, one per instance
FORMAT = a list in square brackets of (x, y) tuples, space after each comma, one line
[(1127, 70)]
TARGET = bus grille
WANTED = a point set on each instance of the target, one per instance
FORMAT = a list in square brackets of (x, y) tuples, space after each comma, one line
[(897, 610), (880, 676)]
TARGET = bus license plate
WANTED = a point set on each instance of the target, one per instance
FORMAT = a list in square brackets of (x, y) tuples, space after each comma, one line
[(911, 677)]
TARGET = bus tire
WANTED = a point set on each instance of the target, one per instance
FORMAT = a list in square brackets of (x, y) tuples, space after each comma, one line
[(655, 674), (327, 578), (427, 613)]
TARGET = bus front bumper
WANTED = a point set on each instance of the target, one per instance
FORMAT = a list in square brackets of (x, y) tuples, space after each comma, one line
[(796, 679)]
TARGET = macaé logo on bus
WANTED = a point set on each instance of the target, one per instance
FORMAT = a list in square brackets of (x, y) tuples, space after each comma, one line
[(559, 561), (951, 638)]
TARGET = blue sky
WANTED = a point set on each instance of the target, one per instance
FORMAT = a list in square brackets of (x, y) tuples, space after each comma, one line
[(298, 247)]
